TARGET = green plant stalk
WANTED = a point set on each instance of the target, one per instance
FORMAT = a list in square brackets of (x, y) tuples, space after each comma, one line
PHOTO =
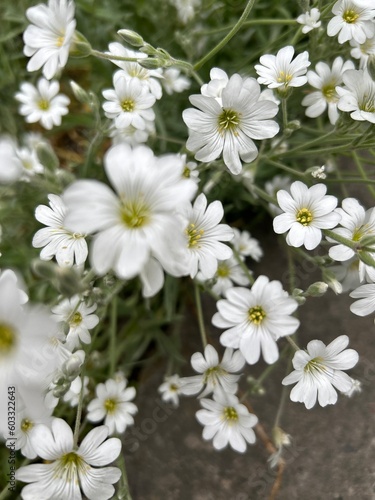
[(125, 493), (243, 266), (285, 168), (340, 239), (363, 173), (284, 109), (227, 38), (79, 412), (292, 343), (113, 338), (280, 409), (198, 302), (251, 22)]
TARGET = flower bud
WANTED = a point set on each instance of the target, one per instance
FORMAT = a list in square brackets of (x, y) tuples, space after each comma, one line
[(150, 63), (72, 366), (80, 46), (80, 94), (332, 281), (68, 282), (44, 269), (317, 289), (131, 37), (280, 438)]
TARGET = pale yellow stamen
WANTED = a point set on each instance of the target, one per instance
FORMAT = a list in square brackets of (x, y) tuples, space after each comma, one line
[(304, 216), (256, 315)]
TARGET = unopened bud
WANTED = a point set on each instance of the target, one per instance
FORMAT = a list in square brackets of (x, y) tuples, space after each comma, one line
[(317, 172), (60, 391), (68, 283), (280, 438), (368, 240), (80, 46), (44, 269), (366, 258), (317, 289), (332, 281), (131, 37), (80, 94), (72, 366), (371, 65), (47, 156), (151, 63), (297, 295)]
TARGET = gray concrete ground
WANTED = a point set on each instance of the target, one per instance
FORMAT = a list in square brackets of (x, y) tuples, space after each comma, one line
[(332, 456)]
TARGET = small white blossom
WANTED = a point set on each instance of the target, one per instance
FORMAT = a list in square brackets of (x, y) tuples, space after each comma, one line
[(48, 38), (325, 79), (186, 9), (129, 103), (246, 245), (149, 78), (306, 212), (74, 392), (11, 165), (203, 236), (255, 319), (170, 389), (214, 375), (347, 273), (310, 20), (79, 317), (280, 71), (190, 170), (356, 222), (228, 125), (131, 135), (356, 387), (173, 81), (363, 51), (42, 103), (228, 272), (358, 96), (273, 186), (113, 404), (318, 371), (68, 471), (226, 421), (68, 247), (353, 20)]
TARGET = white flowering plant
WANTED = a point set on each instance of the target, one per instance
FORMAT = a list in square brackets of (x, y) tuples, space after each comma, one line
[(147, 150)]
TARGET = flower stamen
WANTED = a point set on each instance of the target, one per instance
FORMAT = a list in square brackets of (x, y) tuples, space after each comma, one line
[(256, 315), (304, 216)]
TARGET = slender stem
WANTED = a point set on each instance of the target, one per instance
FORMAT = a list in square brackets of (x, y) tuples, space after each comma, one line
[(124, 492), (251, 22), (198, 302), (292, 343), (363, 173), (112, 338), (112, 57), (285, 168), (243, 266), (79, 412), (337, 237), (306, 145), (351, 180), (228, 37), (284, 110), (283, 397), (265, 196)]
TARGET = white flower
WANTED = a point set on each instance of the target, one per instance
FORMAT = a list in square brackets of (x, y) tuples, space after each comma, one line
[(356, 223), (228, 272), (113, 403), (215, 375), (79, 317), (129, 103), (30, 162), (203, 236), (318, 371), (68, 247), (272, 187), (214, 88), (228, 127), (255, 319), (310, 20), (27, 420), (363, 51), (227, 421), (366, 303), (42, 103), (358, 98), (356, 387), (147, 77), (190, 170), (185, 9), (280, 71), (170, 389), (174, 82), (307, 212), (68, 471), (11, 165), (245, 245), (347, 274), (353, 19), (74, 392), (48, 38), (27, 356), (131, 135), (138, 225), (325, 79)]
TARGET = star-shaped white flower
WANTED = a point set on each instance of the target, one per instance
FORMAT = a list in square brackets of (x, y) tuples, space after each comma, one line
[(353, 20), (306, 212), (358, 95), (310, 20), (318, 371)]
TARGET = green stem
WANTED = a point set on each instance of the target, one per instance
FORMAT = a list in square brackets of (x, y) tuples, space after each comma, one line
[(267, 371), (243, 266), (124, 492), (284, 110), (306, 145), (363, 173), (112, 337), (285, 168), (292, 343), (283, 398), (227, 38), (112, 57), (340, 239), (252, 22), (198, 302), (265, 196), (79, 412)]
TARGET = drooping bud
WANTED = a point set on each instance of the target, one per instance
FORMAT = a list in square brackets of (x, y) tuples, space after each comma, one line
[(131, 37)]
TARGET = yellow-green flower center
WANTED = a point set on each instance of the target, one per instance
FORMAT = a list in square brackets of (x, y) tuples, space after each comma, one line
[(304, 216), (350, 16), (230, 414), (43, 104), (127, 105), (284, 77), (186, 173), (60, 40), (329, 92), (26, 425), (173, 387), (110, 405), (212, 373), (315, 364), (194, 235), (76, 319), (7, 339), (228, 120), (223, 270), (135, 214), (257, 315)]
